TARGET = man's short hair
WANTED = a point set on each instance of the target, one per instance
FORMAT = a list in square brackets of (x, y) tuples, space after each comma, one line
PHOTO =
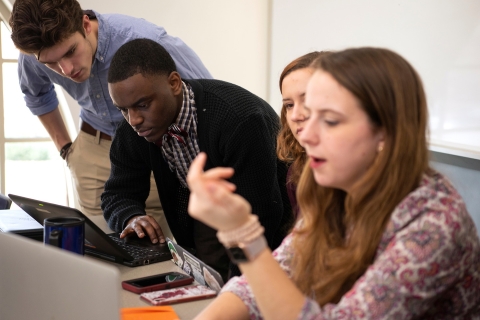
[(143, 56), (40, 24)]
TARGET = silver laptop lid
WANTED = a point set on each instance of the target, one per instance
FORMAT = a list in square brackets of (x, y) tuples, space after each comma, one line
[(42, 282)]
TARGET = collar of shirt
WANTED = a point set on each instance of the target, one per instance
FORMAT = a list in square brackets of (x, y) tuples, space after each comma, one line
[(103, 39), (187, 117), (179, 153)]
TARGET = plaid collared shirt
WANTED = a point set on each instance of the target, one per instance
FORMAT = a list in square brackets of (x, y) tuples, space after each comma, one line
[(179, 153)]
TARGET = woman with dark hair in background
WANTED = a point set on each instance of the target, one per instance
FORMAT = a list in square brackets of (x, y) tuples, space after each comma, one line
[(381, 236)]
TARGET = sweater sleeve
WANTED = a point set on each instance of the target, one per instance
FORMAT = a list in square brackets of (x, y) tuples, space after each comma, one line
[(128, 186)]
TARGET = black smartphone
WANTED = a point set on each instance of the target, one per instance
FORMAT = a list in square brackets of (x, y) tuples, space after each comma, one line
[(157, 282)]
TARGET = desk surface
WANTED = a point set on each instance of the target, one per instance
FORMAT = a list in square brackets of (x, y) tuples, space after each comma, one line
[(187, 310)]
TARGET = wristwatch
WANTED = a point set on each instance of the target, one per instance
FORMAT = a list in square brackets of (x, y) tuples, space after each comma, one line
[(245, 252)]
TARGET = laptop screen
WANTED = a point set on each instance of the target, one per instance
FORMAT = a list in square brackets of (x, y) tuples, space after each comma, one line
[(42, 282)]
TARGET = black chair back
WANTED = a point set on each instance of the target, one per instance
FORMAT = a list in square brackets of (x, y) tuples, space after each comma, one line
[(5, 202)]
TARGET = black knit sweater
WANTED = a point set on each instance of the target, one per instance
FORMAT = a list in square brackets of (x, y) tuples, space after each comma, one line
[(235, 129)]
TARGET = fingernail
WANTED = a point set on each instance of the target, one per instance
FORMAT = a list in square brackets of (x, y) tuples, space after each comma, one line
[(162, 240), (155, 241), (141, 235)]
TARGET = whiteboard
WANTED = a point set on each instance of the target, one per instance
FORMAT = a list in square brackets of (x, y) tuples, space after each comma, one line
[(440, 38)]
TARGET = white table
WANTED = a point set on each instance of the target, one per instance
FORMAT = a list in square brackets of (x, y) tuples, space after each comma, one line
[(185, 311)]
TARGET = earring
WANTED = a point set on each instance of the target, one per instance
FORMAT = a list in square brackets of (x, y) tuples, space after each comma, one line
[(380, 148)]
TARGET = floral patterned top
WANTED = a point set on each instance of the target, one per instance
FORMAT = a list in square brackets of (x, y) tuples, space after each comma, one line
[(427, 264)]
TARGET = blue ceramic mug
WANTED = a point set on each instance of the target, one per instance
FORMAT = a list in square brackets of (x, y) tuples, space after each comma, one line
[(65, 232)]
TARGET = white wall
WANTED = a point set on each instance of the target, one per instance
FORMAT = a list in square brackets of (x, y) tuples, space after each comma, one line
[(440, 38), (230, 37)]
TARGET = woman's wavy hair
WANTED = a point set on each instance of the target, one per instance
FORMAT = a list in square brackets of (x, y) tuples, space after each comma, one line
[(40, 24), (288, 148), (340, 233)]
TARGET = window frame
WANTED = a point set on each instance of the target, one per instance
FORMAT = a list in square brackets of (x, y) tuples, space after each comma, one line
[(5, 10)]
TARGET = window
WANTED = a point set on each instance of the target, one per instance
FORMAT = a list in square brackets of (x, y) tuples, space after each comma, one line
[(30, 163)]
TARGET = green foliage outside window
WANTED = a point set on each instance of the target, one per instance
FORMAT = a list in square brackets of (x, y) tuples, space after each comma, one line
[(28, 151)]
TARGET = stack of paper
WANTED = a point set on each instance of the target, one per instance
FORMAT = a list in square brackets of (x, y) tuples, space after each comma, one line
[(19, 222)]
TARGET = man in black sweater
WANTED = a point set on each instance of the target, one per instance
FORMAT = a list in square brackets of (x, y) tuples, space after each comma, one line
[(168, 122)]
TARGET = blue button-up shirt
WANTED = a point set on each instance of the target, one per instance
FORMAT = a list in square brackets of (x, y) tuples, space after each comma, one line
[(114, 30)]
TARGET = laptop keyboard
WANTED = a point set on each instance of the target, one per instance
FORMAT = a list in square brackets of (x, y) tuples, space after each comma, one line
[(138, 252)]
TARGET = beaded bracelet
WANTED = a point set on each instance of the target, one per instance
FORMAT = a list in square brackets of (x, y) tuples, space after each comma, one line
[(246, 233), (64, 150)]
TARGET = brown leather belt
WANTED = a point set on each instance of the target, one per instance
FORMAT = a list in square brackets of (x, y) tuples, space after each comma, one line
[(90, 130)]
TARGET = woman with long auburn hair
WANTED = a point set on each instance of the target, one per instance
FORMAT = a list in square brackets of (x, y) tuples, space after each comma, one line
[(293, 84), (381, 236)]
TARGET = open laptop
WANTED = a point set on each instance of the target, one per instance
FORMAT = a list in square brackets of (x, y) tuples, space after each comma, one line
[(203, 273), (43, 283), (130, 251)]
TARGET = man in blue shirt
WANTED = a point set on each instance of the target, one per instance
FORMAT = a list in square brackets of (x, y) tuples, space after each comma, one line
[(62, 44)]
